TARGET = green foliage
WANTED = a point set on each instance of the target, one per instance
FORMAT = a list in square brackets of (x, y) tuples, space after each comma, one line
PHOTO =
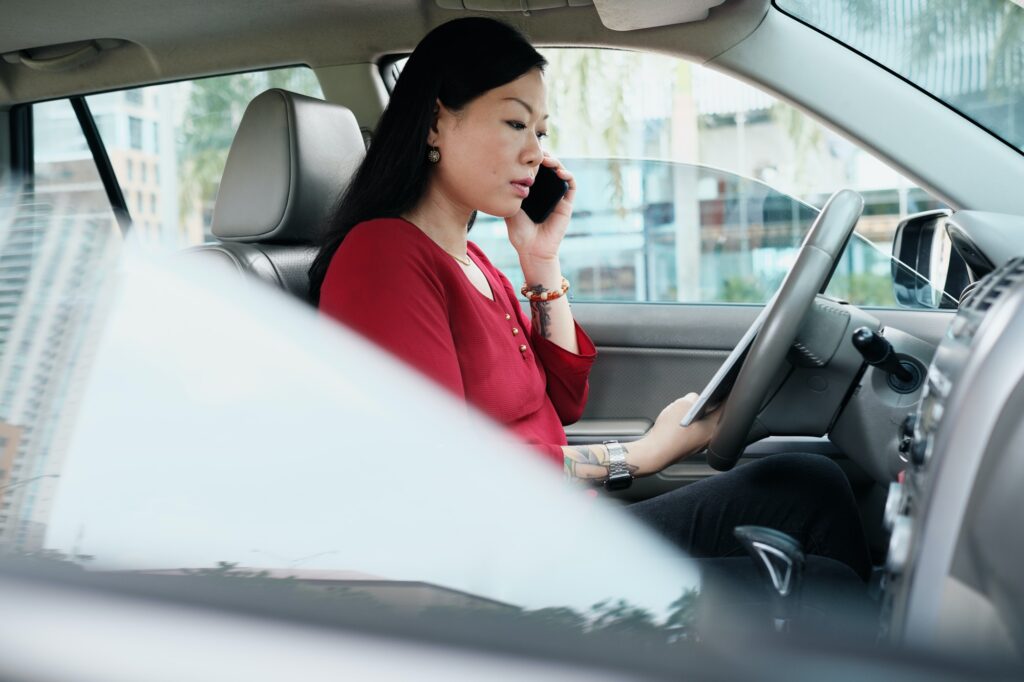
[(560, 617), (50, 556), (354, 599), (804, 133), (740, 289), (589, 88), (214, 110), (617, 619), (621, 619), (933, 28), (228, 569), (864, 289), (861, 288), (683, 614)]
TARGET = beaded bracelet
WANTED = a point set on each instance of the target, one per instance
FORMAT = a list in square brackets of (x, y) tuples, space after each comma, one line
[(546, 295)]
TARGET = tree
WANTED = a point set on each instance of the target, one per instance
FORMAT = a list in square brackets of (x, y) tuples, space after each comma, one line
[(228, 569), (934, 27), (215, 108), (803, 132), (589, 98), (682, 618)]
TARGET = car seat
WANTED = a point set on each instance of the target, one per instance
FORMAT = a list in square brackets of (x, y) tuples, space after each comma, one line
[(289, 162)]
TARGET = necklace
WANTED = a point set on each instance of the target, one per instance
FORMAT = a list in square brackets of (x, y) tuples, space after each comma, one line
[(465, 261)]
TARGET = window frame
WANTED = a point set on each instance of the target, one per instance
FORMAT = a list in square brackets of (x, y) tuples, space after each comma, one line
[(22, 129), (102, 161), (389, 74)]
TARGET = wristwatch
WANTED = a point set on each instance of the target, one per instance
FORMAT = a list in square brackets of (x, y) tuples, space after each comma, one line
[(619, 476)]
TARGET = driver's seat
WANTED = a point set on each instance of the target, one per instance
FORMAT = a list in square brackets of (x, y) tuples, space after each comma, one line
[(290, 160)]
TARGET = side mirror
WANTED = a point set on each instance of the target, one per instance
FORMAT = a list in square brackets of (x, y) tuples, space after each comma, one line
[(927, 271)]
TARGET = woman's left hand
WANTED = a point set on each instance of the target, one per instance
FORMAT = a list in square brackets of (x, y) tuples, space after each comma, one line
[(540, 241)]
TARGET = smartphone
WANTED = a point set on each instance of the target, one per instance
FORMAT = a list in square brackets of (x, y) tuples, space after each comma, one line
[(545, 193)]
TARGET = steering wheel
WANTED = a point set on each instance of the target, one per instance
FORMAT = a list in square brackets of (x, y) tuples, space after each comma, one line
[(814, 265)]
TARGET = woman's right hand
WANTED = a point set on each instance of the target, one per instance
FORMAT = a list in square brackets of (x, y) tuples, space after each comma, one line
[(667, 442)]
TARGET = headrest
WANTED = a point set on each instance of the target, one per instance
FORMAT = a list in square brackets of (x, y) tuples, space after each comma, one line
[(289, 162)]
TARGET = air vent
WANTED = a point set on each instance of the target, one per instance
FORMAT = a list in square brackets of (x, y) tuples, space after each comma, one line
[(991, 287), (968, 293)]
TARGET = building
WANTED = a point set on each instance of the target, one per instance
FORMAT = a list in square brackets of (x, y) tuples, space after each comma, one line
[(58, 240)]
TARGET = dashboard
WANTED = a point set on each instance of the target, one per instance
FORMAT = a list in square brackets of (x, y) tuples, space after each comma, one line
[(953, 570), (954, 573)]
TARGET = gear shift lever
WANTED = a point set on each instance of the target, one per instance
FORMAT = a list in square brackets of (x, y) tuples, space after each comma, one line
[(780, 561)]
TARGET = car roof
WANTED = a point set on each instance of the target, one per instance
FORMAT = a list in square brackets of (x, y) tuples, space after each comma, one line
[(148, 41)]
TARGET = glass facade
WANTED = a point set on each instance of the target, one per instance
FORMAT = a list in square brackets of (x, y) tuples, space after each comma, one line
[(57, 237)]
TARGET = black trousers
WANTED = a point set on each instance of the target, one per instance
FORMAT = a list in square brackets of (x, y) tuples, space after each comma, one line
[(806, 496)]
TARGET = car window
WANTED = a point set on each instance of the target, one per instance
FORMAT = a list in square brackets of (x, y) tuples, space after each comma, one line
[(659, 231), (168, 145), (696, 188), (128, 445), (970, 54), (57, 238), (183, 462)]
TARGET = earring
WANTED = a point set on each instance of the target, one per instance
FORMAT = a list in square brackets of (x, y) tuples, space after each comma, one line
[(434, 155)]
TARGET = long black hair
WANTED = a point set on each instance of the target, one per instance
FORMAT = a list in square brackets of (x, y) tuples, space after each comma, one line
[(455, 63)]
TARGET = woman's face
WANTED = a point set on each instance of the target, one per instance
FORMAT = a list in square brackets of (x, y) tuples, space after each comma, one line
[(491, 146)]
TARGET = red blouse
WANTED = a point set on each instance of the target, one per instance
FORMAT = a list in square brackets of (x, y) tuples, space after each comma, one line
[(393, 284)]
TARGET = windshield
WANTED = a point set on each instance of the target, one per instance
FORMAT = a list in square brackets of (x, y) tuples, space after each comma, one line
[(967, 53)]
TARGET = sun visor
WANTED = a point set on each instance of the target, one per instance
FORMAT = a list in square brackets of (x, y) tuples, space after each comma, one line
[(627, 15), (618, 15)]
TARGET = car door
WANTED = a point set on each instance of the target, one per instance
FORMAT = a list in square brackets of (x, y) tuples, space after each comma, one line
[(694, 194), (660, 285)]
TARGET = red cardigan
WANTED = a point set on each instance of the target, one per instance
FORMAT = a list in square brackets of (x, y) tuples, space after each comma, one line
[(393, 284)]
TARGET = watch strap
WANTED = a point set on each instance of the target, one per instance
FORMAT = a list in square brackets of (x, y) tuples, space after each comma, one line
[(619, 475)]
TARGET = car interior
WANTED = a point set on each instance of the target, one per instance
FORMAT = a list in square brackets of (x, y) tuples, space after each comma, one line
[(921, 407)]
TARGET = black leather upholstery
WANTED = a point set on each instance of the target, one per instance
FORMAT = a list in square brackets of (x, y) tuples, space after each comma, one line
[(284, 266), (289, 162)]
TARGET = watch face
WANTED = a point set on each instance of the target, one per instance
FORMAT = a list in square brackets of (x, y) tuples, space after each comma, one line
[(618, 482)]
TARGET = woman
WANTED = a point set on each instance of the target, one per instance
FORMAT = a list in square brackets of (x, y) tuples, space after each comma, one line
[(461, 133)]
